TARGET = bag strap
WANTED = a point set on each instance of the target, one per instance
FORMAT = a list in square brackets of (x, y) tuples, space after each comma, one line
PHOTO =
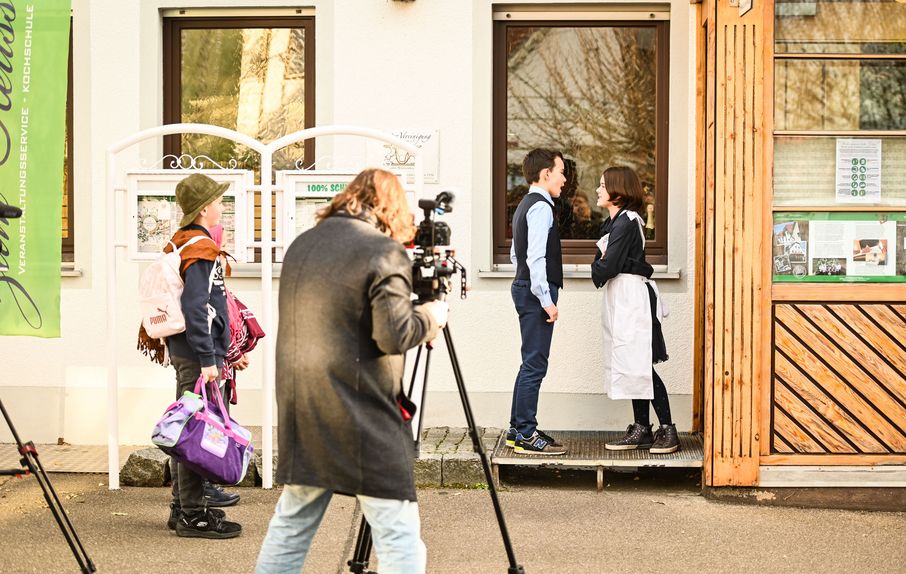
[(204, 395), (196, 239)]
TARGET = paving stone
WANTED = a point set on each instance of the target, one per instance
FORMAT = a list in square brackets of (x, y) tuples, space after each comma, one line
[(146, 467), (462, 470), (428, 470)]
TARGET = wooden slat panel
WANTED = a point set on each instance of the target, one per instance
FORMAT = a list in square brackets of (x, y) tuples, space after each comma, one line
[(870, 359), (852, 375), (826, 406), (877, 339), (734, 230), (864, 411), (781, 446), (795, 436), (807, 418), (709, 276), (836, 292), (888, 319), (830, 459)]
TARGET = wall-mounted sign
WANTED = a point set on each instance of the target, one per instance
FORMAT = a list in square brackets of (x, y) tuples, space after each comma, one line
[(392, 158), (154, 214), (858, 171), (744, 7), (839, 247)]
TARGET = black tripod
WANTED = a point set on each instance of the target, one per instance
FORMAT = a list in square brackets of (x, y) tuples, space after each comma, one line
[(359, 562), (31, 464)]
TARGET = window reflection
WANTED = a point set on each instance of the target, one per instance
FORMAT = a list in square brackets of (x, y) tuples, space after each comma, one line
[(591, 93), (248, 79)]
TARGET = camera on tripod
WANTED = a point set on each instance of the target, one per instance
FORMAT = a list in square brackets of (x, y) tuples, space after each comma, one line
[(431, 271)]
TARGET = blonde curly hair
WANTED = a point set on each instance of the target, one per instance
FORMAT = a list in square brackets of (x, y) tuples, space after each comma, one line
[(381, 194)]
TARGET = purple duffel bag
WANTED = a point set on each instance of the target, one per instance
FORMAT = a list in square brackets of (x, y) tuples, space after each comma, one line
[(193, 432)]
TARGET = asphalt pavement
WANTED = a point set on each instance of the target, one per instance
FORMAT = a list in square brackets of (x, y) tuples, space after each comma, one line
[(653, 521)]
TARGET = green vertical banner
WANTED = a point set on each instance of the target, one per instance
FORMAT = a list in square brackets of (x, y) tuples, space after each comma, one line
[(34, 53)]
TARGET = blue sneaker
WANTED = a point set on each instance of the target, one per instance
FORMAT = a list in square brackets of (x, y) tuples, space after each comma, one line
[(536, 444), (511, 438)]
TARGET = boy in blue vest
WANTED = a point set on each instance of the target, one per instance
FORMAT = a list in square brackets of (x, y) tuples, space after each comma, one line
[(539, 277)]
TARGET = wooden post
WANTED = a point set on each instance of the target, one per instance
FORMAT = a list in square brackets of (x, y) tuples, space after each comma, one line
[(733, 293)]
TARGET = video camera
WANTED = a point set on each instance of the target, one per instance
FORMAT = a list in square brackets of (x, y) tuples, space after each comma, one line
[(431, 272)]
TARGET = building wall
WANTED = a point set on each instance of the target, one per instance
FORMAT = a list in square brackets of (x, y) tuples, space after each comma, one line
[(380, 64)]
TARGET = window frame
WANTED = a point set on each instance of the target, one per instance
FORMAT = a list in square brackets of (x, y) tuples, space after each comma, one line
[(578, 251), (172, 64), (67, 249)]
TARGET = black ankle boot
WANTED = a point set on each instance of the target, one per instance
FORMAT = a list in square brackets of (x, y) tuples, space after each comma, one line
[(665, 440), (637, 436)]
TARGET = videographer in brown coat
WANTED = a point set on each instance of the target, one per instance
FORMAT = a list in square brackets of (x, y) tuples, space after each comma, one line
[(346, 318)]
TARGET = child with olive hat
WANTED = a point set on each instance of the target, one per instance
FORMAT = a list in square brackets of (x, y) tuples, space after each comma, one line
[(200, 350)]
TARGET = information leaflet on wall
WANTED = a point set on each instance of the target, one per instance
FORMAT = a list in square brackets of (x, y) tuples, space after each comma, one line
[(839, 247), (858, 171), (394, 159)]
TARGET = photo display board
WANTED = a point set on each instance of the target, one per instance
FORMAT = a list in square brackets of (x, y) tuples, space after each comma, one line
[(155, 215), (304, 193), (307, 192), (839, 247)]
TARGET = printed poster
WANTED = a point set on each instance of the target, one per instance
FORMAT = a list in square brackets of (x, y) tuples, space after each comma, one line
[(858, 171), (839, 247)]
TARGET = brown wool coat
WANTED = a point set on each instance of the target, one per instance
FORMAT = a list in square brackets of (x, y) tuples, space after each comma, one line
[(345, 320)]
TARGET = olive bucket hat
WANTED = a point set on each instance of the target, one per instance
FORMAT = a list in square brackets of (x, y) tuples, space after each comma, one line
[(196, 192)]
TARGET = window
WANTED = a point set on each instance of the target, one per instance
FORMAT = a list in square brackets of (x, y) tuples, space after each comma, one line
[(839, 141), (595, 90), (253, 75)]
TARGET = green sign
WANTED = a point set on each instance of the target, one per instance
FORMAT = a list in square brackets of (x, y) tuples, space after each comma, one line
[(34, 50), (839, 247)]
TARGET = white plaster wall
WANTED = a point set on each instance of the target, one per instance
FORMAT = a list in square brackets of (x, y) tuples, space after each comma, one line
[(379, 64)]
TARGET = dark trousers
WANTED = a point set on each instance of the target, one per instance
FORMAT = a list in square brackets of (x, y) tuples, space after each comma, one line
[(536, 348), (188, 487)]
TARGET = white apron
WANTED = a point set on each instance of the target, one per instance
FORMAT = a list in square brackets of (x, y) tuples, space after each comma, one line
[(627, 329)]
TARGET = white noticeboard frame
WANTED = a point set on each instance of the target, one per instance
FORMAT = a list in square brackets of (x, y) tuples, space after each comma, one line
[(304, 193), (154, 214)]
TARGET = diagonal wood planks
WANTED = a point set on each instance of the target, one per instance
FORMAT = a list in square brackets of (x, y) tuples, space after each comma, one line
[(839, 379)]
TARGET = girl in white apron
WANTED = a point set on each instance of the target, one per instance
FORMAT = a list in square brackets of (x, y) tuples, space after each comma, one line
[(631, 315)]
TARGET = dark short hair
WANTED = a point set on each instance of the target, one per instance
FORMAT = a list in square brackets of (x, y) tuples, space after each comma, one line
[(624, 188), (537, 160)]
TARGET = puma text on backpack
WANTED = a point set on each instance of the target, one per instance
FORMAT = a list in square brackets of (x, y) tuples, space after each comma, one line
[(160, 291)]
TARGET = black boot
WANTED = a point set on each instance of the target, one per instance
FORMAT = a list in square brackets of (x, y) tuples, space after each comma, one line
[(637, 436), (175, 511), (215, 496), (205, 524), (665, 440)]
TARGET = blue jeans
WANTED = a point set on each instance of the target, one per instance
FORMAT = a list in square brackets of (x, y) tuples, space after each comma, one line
[(395, 527), (536, 348)]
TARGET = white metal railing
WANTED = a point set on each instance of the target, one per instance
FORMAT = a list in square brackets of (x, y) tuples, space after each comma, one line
[(266, 152)]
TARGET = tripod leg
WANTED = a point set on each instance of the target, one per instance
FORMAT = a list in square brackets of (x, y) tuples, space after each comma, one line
[(362, 552), (30, 459), (514, 568)]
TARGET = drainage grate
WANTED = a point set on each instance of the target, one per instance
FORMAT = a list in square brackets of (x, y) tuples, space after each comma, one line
[(586, 450)]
